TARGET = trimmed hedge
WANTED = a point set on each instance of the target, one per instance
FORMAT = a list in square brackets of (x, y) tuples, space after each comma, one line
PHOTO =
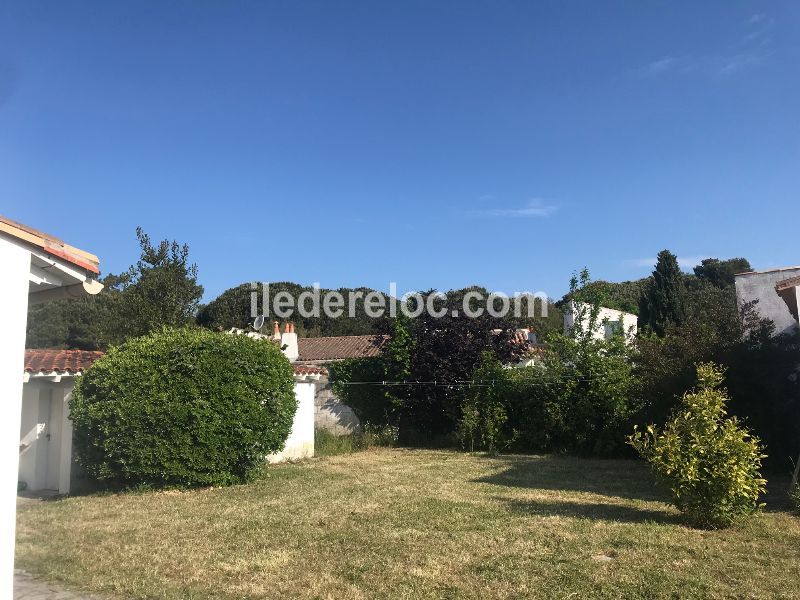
[(184, 407)]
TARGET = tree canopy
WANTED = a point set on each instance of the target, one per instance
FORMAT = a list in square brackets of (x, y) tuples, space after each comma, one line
[(663, 300), (160, 290)]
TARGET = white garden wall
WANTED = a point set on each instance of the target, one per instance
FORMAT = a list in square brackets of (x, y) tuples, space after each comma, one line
[(300, 443)]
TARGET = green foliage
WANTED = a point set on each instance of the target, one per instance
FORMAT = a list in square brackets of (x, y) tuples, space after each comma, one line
[(721, 273), (760, 374), (377, 436), (711, 464), (622, 296), (663, 300), (367, 437), (578, 398), (160, 290), (483, 413), (794, 497), (369, 402), (327, 443), (183, 408), (588, 382), (232, 308), (446, 352)]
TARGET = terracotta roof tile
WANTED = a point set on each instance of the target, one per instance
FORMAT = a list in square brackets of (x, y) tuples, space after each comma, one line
[(787, 283), (49, 360), (50, 244), (341, 347), (310, 370)]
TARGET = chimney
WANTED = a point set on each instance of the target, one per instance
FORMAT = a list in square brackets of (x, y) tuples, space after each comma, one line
[(289, 343), (276, 332)]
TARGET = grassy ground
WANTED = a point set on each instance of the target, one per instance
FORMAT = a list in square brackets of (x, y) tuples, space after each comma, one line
[(409, 524)]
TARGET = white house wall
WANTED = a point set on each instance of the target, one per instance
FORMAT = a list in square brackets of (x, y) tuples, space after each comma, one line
[(605, 315), (45, 463), (15, 264), (300, 443), (761, 287)]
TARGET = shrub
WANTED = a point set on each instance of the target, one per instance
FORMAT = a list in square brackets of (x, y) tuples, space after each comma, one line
[(483, 412), (183, 408), (369, 402), (711, 464), (794, 496), (373, 436)]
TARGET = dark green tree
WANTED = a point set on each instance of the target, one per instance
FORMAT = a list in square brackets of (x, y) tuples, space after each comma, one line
[(232, 308), (663, 300), (721, 273), (160, 290)]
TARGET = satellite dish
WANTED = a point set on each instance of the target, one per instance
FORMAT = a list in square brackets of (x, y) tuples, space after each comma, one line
[(258, 323)]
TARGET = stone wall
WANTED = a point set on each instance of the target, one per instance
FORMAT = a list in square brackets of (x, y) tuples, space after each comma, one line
[(761, 287), (330, 413)]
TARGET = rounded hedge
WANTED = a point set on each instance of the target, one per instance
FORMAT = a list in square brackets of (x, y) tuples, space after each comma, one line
[(183, 407)]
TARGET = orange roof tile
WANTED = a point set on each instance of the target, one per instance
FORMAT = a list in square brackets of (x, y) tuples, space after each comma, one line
[(787, 283), (54, 360), (49, 360), (51, 245)]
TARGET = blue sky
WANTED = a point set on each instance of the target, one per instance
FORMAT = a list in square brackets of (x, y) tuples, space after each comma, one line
[(435, 144)]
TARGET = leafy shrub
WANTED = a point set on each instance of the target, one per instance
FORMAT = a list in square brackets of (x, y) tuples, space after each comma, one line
[(369, 402), (483, 413), (182, 408), (379, 436), (794, 496), (711, 464)]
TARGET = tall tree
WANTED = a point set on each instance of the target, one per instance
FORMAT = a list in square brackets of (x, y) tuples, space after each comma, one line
[(721, 273), (663, 300), (161, 289)]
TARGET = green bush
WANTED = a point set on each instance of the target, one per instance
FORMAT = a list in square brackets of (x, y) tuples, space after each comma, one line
[(794, 496), (483, 412), (369, 402), (711, 464), (183, 407)]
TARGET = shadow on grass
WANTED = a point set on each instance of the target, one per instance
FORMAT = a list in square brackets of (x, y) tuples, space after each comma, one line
[(592, 510), (621, 478)]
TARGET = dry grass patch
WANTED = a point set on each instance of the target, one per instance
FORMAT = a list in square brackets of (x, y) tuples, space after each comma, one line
[(409, 524)]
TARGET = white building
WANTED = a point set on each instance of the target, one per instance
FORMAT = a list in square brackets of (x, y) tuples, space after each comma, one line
[(45, 437), (46, 460), (609, 321), (777, 293), (34, 267)]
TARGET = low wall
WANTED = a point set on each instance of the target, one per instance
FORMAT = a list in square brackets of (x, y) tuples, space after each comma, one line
[(331, 414), (300, 443)]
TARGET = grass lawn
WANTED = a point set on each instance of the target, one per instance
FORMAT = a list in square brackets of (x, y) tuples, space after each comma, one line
[(409, 524)]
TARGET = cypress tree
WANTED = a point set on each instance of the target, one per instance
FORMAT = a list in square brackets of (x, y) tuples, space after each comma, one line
[(663, 300)]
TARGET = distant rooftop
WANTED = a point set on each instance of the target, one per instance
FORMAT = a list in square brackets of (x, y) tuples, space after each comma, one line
[(322, 349), (767, 271)]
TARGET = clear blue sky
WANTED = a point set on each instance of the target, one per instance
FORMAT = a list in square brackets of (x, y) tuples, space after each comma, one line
[(435, 144)]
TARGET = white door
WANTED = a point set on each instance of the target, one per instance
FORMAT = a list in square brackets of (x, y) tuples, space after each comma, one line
[(52, 440)]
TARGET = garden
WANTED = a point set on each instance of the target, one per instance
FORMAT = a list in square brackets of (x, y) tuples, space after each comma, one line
[(471, 476), (404, 523)]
